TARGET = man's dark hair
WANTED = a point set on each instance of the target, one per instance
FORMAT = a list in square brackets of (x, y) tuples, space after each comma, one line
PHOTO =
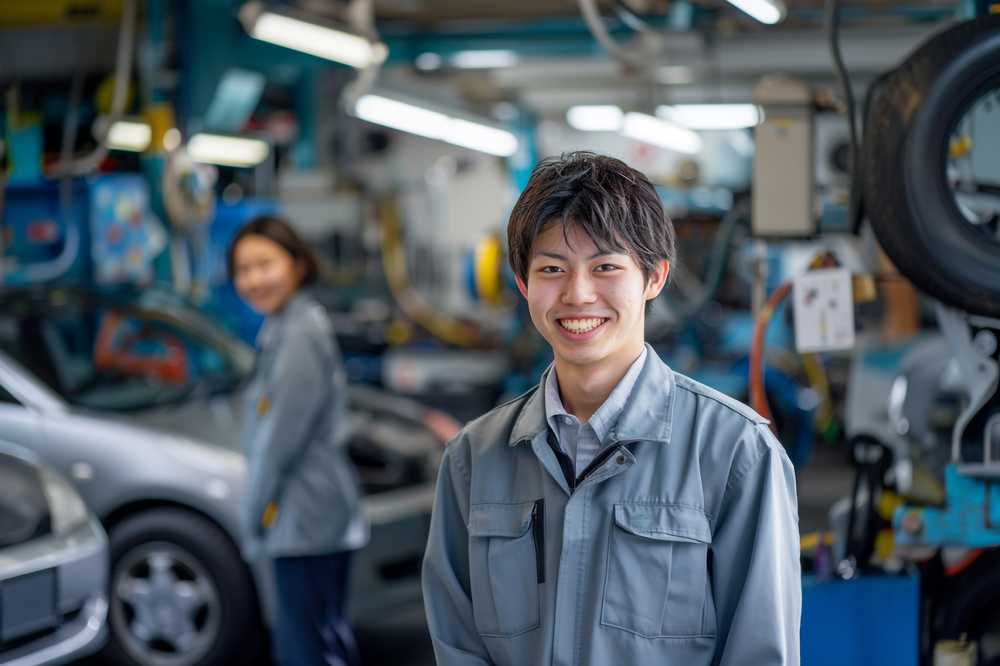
[(277, 230), (615, 205)]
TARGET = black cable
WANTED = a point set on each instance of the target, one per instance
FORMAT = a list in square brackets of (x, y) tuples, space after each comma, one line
[(844, 79)]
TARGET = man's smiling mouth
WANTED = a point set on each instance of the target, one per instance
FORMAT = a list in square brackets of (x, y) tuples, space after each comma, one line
[(581, 325)]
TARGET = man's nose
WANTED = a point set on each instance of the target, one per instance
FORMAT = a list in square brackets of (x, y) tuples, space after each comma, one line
[(579, 289)]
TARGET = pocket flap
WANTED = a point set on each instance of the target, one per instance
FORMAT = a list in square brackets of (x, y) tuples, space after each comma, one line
[(500, 520), (666, 522)]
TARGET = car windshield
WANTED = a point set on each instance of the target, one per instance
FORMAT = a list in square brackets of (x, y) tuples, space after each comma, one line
[(106, 356)]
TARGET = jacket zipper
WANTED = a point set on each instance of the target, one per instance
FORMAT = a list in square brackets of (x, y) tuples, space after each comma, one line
[(538, 534), (594, 464)]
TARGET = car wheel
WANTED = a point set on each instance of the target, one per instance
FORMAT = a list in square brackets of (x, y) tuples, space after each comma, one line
[(180, 594), (908, 193)]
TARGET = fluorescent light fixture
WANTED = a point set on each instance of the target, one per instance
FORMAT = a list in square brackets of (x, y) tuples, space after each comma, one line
[(765, 11), (311, 37), (129, 135), (483, 138), (660, 132), (431, 124), (487, 59), (712, 116), (595, 118), (401, 116), (232, 151)]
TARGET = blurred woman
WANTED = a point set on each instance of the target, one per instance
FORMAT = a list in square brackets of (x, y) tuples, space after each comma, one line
[(302, 503)]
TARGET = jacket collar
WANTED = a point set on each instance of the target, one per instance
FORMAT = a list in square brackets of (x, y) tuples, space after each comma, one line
[(300, 300), (647, 415)]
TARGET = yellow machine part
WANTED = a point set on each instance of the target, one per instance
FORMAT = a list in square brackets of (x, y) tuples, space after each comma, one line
[(161, 120), (489, 267), (28, 13)]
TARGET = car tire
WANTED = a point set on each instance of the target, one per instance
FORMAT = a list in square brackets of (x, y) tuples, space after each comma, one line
[(907, 197), (195, 554)]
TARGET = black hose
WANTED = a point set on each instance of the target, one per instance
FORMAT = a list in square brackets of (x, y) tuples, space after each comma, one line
[(844, 79)]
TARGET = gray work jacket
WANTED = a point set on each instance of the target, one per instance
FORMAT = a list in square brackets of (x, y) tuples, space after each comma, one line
[(678, 545), (292, 434)]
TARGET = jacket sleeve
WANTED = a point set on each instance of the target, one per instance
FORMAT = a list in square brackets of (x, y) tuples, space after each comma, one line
[(446, 586), (296, 392), (757, 581)]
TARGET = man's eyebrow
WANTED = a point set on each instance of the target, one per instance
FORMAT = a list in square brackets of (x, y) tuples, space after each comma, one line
[(560, 257)]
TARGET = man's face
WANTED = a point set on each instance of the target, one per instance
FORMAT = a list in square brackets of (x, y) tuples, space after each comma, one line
[(589, 305)]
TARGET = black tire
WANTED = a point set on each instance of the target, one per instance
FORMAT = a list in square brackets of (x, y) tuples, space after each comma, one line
[(906, 193), (968, 606), (238, 637)]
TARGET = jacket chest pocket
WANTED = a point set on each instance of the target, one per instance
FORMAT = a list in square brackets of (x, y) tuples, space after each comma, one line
[(657, 583), (506, 566)]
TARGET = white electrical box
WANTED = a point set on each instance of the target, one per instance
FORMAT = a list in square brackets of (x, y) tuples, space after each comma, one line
[(824, 310), (783, 169)]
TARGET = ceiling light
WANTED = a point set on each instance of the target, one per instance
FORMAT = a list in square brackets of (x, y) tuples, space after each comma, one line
[(660, 132), (595, 118), (483, 59), (483, 138), (311, 37), (129, 135), (765, 11), (432, 124), (401, 116), (227, 150), (712, 116)]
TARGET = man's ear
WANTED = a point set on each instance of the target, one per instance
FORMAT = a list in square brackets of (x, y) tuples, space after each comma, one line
[(657, 278), (521, 286)]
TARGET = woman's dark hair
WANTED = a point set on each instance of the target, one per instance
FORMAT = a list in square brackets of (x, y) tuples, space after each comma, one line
[(615, 205), (277, 230)]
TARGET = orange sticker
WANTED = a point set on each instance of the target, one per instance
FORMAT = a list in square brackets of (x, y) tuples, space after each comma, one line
[(263, 406), (270, 515)]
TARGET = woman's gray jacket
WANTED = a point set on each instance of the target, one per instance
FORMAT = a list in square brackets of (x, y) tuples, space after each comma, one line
[(293, 437)]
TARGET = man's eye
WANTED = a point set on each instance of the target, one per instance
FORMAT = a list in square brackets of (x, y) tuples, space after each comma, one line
[(606, 268), (550, 269)]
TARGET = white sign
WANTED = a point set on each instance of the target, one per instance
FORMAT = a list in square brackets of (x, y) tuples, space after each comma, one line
[(824, 310)]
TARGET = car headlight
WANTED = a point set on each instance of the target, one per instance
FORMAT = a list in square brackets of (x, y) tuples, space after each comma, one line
[(65, 506)]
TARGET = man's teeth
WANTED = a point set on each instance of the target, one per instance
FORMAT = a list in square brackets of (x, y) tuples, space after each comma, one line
[(580, 325)]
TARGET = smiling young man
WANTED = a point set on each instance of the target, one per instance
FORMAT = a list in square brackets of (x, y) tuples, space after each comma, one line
[(619, 513)]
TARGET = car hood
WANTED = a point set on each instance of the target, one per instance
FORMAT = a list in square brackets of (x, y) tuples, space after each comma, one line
[(214, 421)]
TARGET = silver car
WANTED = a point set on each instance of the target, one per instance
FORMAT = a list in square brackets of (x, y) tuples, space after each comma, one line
[(135, 399), (53, 565)]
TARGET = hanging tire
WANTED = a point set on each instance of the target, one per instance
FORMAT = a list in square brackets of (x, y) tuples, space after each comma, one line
[(180, 594), (906, 191)]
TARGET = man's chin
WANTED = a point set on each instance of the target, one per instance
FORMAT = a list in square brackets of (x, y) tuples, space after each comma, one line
[(579, 357)]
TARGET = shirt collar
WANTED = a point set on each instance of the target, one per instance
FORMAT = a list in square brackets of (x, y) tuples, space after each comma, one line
[(607, 414), (646, 414)]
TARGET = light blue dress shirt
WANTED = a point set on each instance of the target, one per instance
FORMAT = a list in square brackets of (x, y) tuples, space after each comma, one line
[(582, 441)]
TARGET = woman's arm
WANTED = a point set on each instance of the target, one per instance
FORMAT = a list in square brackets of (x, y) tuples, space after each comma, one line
[(294, 395)]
